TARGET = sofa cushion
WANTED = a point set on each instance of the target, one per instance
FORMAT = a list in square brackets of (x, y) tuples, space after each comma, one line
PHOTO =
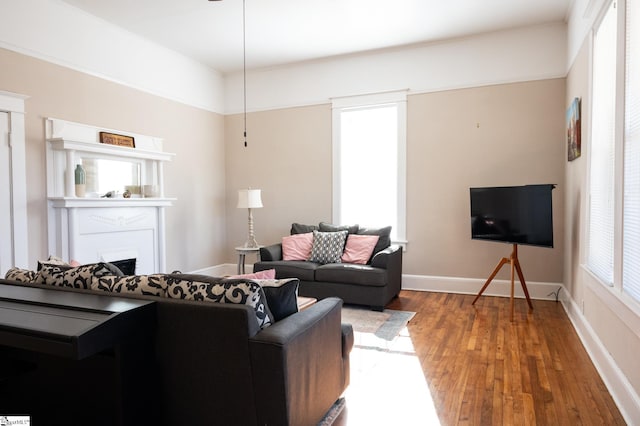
[(350, 273), (328, 246), (22, 275), (234, 291), (127, 266), (299, 228), (282, 296), (304, 271), (149, 285), (78, 277), (329, 227), (297, 246), (359, 248), (384, 235)]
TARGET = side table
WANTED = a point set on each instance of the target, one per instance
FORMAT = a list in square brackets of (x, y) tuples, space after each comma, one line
[(242, 253), (305, 302)]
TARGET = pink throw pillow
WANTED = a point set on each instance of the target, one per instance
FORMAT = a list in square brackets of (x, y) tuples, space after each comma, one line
[(297, 246), (359, 248), (267, 274)]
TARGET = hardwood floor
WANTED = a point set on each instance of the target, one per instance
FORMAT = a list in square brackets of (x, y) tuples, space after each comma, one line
[(458, 364)]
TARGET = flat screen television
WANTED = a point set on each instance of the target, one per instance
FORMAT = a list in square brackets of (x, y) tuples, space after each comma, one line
[(513, 214)]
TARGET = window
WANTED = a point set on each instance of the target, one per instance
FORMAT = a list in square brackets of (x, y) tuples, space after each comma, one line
[(369, 161), (601, 171), (614, 170)]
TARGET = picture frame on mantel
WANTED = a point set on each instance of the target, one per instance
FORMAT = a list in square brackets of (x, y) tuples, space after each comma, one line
[(119, 140), (574, 143)]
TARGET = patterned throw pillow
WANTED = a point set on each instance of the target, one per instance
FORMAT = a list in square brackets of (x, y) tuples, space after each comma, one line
[(52, 261), (327, 246), (239, 292), (149, 285), (78, 277), (22, 275)]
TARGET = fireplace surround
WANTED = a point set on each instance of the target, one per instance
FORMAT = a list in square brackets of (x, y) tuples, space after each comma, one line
[(105, 226)]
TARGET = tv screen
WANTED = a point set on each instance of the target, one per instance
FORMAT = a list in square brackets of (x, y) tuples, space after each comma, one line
[(513, 214)]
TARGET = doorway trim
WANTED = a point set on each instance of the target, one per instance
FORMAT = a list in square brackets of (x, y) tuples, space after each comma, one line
[(13, 104)]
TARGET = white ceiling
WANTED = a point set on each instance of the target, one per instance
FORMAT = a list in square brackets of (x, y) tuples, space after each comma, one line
[(286, 31)]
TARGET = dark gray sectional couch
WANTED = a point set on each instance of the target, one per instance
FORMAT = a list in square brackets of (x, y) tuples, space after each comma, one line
[(215, 365)]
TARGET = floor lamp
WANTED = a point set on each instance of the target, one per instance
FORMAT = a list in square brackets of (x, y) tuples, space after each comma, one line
[(250, 199)]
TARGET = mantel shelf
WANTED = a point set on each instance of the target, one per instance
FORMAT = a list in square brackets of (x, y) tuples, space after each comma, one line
[(60, 144), (75, 202)]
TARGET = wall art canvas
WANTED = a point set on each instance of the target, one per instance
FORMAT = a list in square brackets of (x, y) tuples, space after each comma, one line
[(573, 130)]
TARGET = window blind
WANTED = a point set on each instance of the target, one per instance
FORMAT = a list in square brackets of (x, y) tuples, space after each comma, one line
[(631, 209), (601, 171)]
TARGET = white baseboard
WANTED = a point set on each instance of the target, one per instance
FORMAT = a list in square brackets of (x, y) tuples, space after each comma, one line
[(220, 270), (537, 290), (624, 395)]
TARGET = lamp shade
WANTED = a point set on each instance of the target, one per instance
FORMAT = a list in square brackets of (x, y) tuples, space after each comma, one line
[(249, 199)]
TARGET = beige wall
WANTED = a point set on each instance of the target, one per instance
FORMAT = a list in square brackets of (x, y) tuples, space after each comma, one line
[(507, 134), (613, 322), (575, 175), (495, 135), (288, 157), (196, 177)]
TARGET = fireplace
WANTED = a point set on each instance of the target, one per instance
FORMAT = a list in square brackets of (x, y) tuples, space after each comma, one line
[(94, 227)]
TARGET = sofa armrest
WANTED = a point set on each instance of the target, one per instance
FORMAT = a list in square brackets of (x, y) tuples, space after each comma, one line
[(386, 256), (271, 253), (298, 365)]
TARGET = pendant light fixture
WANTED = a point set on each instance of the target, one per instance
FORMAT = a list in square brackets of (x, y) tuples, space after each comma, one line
[(244, 68)]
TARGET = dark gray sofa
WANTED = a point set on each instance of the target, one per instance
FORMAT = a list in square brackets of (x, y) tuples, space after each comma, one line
[(373, 284), (215, 366)]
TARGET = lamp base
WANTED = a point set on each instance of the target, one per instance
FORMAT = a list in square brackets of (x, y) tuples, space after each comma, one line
[(251, 240), (251, 243)]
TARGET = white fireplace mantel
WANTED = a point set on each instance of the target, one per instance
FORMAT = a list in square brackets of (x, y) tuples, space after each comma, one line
[(96, 228)]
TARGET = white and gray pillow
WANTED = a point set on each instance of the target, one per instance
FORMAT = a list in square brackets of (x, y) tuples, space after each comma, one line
[(328, 246)]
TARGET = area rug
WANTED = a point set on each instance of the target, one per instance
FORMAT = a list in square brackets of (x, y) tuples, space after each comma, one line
[(385, 325), (333, 413)]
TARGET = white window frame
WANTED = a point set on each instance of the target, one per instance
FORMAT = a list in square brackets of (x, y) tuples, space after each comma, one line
[(399, 98), (616, 287)]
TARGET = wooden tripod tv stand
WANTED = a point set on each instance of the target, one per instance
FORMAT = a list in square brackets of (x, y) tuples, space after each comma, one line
[(515, 267)]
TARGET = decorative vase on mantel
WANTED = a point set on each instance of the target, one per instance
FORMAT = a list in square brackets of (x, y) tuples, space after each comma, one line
[(80, 179)]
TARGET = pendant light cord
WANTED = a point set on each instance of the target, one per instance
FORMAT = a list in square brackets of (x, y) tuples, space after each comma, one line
[(244, 68)]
